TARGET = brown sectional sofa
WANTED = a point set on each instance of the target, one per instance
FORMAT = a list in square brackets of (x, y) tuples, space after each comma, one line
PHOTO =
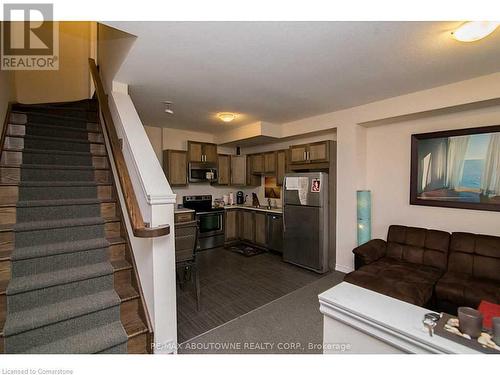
[(430, 268)]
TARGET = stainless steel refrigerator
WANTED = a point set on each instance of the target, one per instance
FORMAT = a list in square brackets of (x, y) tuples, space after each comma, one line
[(305, 223)]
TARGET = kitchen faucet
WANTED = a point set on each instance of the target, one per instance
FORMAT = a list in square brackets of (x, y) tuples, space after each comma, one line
[(269, 203)]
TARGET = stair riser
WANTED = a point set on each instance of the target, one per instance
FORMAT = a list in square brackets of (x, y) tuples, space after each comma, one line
[(112, 229), (116, 252), (48, 131), (18, 158), (42, 213), (5, 273), (17, 143), (138, 344), (44, 335), (10, 194), (87, 232), (52, 120), (56, 145), (13, 175), (123, 277), (58, 262), (129, 309), (37, 298), (83, 115), (28, 193)]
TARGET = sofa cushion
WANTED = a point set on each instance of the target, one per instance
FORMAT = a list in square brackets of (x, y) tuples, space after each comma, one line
[(418, 246), (463, 289), (476, 255), (409, 282)]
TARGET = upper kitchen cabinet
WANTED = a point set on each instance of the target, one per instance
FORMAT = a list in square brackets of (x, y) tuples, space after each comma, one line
[(257, 163), (202, 152), (269, 162), (280, 166), (224, 169), (318, 152), (175, 167), (252, 179), (238, 170)]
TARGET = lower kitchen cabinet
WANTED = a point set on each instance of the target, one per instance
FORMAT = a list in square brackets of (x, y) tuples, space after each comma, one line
[(260, 228), (248, 233), (232, 225)]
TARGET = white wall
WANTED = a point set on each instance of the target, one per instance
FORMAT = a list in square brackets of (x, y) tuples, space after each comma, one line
[(388, 176)]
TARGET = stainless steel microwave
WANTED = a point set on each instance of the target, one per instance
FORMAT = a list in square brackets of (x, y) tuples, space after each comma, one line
[(202, 172)]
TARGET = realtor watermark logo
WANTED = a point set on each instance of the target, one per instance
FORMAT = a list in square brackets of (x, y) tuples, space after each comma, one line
[(30, 37)]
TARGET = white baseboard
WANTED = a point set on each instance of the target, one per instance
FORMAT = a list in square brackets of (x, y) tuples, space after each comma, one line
[(344, 269)]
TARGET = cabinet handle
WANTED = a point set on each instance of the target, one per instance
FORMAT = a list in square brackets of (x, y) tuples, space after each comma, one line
[(308, 155), (305, 155)]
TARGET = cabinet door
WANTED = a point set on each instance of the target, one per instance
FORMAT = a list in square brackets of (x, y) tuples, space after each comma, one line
[(223, 169), (210, 152), (195, 151), (260, 228), (318, 152), (280, 167), (257, 163), (248, 226), (238, 170), (252, 179), (175, 167), (270, 162), (298, 154), (231, 225)]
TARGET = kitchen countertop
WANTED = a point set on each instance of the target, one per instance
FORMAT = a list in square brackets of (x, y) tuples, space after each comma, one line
[(275, 210)]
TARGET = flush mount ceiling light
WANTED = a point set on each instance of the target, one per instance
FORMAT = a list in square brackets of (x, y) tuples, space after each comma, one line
[(168, 107), (226, 116), (474, 30)]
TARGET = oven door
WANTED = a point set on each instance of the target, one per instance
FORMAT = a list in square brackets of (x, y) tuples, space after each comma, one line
[(210, 224)]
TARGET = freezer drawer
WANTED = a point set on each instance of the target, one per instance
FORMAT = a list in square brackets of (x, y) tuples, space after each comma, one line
[(305, 239)]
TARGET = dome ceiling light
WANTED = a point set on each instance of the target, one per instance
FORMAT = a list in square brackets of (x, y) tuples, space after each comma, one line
[(226, 116), (474, 30)]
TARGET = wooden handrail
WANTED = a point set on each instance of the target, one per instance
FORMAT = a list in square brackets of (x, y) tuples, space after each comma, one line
[(139, 228), (5, 124)]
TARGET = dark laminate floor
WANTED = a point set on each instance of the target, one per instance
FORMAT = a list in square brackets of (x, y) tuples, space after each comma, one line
[(232, 285)]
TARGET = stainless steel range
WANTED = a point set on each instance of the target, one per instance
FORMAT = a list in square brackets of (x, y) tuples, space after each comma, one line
[(210, 220)]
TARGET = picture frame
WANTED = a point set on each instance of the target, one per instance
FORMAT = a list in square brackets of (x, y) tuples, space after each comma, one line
[(456, 168)]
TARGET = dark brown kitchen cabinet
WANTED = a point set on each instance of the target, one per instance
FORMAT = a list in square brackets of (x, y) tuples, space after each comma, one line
[(269, 162), (248, 233), (317, 152), (280, 166), (252, 179), (232, 225), (238, 170), (202, 152), (257, 163), (260, 228), (224, 169), (175, 167)]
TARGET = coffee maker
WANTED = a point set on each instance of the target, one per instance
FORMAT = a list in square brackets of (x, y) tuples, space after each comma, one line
[(240, 197)]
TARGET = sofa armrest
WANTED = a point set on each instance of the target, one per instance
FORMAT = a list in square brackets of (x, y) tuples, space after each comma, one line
[(369, 252)]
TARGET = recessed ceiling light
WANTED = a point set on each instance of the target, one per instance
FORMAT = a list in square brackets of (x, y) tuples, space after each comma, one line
[(168, 107), (474, 30), (226, 116)]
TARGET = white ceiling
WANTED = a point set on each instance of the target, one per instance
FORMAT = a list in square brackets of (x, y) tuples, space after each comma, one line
[(285, 71)]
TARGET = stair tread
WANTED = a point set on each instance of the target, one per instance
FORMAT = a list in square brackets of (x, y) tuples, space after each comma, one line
[(120, 265), (57, 139), (18, 322), (62, 202), (71, 118), (58, 223), (53, 152), (126, 292), (38, 251), (134, 326), (116, 240), (56, 183), (66, 276), (49, 106), (52, 166), (91, 341), (65, 127)]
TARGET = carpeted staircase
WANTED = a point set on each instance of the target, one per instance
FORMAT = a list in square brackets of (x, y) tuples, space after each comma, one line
[(61, 296)]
